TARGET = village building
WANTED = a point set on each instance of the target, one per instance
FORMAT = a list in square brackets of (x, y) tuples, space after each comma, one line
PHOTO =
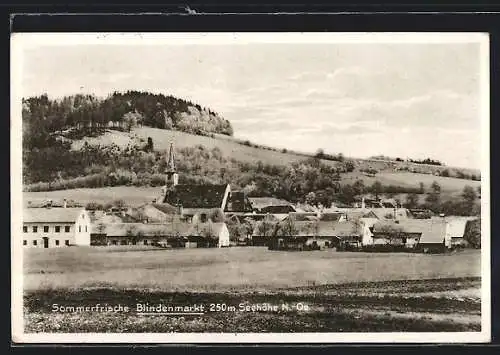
[(408, 234), (395, 235), (55, 227), (196, 203), (173, 235), (156, 213), (317, 235), (433, 237), (455, 231), (271, 205)]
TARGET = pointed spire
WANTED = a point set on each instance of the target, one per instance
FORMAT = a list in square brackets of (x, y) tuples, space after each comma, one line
[(171, 159)]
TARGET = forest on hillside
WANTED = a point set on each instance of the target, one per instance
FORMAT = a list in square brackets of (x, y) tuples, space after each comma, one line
[(81, 115)]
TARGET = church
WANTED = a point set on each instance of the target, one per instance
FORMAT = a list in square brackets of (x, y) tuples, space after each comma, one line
[(195, 203)]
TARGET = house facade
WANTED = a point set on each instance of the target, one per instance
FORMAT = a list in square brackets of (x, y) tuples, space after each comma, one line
[(55, 227)]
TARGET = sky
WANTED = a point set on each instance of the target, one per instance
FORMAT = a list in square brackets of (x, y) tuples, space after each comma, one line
[(361, 98)]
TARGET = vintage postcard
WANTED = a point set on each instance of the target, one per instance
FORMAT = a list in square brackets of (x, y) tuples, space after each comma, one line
[(250, 187)]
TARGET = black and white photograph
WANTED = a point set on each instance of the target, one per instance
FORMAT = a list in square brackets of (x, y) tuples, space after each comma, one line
[(250, 187)]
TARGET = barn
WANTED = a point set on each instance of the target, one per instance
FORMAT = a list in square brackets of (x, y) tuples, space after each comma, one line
[(55, 227), (176, 234)]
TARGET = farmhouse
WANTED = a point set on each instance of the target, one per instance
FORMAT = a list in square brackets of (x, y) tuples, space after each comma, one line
[(317, 235), (409, 234), (177, 234), (455, 231), (395, 235), (433, 236), (55, 227)]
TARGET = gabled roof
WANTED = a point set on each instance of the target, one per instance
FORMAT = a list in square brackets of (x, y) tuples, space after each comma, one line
[(431, 231), (404, 225), (354, 215), (331, 216), (261, 202), (180, 229), (166, 208), (303, 216), (326, 229), (434, 233), (456, 227), (51, 215), (196, 196), (381, 213)]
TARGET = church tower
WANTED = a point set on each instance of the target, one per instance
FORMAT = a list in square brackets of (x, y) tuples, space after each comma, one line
[(172, 178)]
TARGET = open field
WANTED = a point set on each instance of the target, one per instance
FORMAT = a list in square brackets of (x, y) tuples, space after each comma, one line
[(137, 195), (296, 291), (132, 195), (254, 268)]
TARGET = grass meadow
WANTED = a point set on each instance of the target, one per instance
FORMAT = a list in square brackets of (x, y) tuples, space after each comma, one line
[(230, 268), (342, 291)]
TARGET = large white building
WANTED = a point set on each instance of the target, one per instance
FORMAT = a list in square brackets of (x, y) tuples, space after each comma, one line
[(55, 227)]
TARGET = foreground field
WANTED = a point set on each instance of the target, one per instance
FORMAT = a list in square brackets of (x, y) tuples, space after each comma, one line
[(412, 306), (249, 290), (254, 268)]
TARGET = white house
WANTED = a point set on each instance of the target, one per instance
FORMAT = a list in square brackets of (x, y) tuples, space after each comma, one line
[(455, 230), (55, 227)]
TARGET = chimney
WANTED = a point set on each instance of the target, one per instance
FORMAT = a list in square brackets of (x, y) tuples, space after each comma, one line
[(65, 203), (363, 205)]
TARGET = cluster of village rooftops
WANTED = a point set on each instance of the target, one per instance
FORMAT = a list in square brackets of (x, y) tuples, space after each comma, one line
[(186, 216)]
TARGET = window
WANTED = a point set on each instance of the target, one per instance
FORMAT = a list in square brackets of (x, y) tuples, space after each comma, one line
[(57, 242), (66, 229), (203, 217), (80, 229), (85, 229), (34, 242), (25, 242), (145, 242), (35, 229), (66, 242), (45, 229), (114, 242), (123, 242), (58, 229), (25, 229)]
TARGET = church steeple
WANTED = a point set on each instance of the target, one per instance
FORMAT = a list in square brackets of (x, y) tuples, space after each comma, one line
[(171, 159), (172, 178)]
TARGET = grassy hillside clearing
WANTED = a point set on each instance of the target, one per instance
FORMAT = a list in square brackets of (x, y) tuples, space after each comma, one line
[(162, 139), (232, 147), (137, 195), (132, 195)]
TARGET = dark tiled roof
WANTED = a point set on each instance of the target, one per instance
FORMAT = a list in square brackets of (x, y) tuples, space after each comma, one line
[(331, 216), (196, 196), (303, 216), (51, 215), (262, 202), (166, 208)]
